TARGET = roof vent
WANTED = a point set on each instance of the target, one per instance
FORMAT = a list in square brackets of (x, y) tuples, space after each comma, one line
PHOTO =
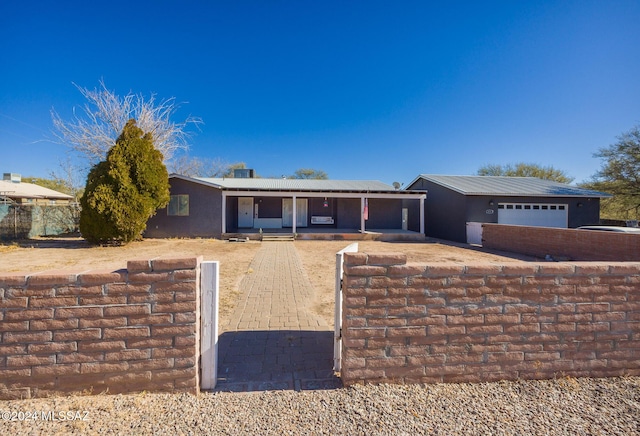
[(243, 173), (12, 177)]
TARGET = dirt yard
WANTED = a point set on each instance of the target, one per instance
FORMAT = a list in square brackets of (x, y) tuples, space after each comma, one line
[(318, 258)]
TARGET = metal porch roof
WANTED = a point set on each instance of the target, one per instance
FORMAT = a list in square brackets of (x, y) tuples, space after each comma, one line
[(297, 185)]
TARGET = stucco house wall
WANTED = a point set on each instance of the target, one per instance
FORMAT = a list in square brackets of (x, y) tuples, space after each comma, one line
[(348, 210), (447, 211), (384, 214), (214, 205), (444, 211), (581, 211), (414, 215), (204, 219)]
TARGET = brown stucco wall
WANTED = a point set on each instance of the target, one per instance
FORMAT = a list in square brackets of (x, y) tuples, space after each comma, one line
[(205, 213), (125, 331), (572, 244), (439, 322)]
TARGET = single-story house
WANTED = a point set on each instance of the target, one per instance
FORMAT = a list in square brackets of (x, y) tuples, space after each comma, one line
[(28, 210), (456, 203), (13, 190), (219, 207)]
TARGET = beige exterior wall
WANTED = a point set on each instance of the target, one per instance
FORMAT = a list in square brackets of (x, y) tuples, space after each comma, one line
[(570, 244), (422, 323), (118, 332)]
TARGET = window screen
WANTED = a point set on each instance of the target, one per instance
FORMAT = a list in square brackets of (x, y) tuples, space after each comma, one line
[(178, 205)]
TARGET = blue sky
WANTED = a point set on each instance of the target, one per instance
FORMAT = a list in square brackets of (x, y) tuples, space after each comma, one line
[(360, 89)]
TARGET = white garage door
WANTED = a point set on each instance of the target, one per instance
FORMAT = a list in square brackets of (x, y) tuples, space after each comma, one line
[(539, 215)]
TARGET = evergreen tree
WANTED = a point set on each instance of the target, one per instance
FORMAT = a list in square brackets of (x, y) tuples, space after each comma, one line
[(125, 190)]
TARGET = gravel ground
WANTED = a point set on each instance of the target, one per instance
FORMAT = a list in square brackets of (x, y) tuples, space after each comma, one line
[(563, 406)]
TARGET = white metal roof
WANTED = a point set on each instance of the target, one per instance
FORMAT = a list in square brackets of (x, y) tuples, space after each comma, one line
[(295, 185), (29, 190)]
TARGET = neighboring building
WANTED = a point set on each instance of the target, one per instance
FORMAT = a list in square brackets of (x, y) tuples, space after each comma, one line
[(28, 210), (457, 202), (14, 190), (215, 207)]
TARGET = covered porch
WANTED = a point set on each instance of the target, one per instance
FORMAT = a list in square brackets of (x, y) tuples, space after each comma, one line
[(314, 234), (323, 215)]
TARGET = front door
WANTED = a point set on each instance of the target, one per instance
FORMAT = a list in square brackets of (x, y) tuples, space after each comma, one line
[(301, 212), (245, 212)]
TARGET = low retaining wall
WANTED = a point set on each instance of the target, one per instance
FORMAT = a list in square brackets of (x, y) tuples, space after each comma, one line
[(415, 323), (569, 244), (125, 331)]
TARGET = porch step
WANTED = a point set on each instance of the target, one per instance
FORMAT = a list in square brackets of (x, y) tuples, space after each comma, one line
[(273, 237)]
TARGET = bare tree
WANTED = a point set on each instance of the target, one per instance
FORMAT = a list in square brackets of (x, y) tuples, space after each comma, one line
[(69, 175), (95, 128), (196, 166), (187, 166), (202, 167)]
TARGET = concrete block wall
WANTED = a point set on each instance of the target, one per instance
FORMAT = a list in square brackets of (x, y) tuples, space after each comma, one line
[(570, 244), (443, 322), (94, 332)]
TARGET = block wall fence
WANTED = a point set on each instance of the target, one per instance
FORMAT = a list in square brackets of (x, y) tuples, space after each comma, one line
[(445, 322), (568, 244), (115, 332)]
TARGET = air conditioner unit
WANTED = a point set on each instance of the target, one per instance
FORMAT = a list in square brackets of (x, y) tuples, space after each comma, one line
[(12, 177)]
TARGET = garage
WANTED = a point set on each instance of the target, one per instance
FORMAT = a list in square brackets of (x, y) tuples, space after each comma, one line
[(458, 205), (539, 215)]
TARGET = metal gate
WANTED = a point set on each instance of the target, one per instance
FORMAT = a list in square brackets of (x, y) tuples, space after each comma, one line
[(337, 346), (474, 233)]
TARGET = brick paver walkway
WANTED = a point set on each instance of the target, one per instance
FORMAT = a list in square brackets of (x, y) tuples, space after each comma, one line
[(273, 341), (276, 293)]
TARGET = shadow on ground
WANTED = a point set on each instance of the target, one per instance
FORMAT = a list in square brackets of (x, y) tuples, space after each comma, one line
[(275, 360), (478, 248), (72, 241)]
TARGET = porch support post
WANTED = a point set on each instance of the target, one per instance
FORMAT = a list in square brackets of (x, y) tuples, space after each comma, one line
[(422, 214), (224, 212), (362, 222), (295, 215)]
